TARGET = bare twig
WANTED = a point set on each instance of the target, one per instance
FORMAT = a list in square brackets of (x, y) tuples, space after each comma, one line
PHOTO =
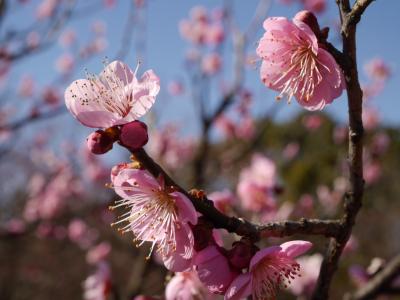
[(380, 282), (354, 16)]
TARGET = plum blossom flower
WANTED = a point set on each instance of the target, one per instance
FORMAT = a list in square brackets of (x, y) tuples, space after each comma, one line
[(186, 285), (214, 270), (115, 97), (98, 285), (304, 284), (295, 65), (257, 183), (157, 215), (270, 269)]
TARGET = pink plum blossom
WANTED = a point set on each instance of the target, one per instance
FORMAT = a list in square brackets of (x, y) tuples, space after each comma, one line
[(270, 269), (33, 39), (46, 9), (115, 97), (26, 87), (175, 88), (67, 38), (295, 65), (309, 270), (186, 286), (214, 270), (157, 215)]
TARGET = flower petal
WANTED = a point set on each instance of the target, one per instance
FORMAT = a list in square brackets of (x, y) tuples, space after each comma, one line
[(295, 248), (240, 288), (261, 254), (186, 210)]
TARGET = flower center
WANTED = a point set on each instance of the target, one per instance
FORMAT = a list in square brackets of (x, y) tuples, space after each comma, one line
[(273, 273)]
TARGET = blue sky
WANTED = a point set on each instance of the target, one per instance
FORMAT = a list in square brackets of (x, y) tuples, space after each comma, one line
[(377, 37)]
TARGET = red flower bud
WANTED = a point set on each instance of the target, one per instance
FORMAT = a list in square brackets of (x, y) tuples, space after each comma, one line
[(134, 135), (310, 19), (99, 142)]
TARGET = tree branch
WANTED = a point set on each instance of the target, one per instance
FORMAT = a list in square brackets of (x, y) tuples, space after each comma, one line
[(380, 282), (353, 197), (239, 226), (354, 16)]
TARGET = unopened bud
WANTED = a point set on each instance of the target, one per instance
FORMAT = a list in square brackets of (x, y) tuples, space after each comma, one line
[(134, 135), (310, 19), (99, 142)]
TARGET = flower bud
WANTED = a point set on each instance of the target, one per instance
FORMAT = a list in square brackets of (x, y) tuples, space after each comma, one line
[(134, 135), (99, 142), (241, 253), (310, 19)]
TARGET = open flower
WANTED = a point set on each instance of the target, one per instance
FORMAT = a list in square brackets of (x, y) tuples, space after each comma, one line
[(295, 65), (115, 97), (157, 215), (270, 269)]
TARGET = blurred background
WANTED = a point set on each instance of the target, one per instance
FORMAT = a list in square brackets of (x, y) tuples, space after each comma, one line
[(213, 124)]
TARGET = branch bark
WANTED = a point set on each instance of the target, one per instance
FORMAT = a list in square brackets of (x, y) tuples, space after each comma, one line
[(353, 197), (328, 228), (380, 282)]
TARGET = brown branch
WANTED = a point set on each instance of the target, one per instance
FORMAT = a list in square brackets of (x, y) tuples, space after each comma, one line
[(239, 226), (353, 197), (354, 16), (380, 282)]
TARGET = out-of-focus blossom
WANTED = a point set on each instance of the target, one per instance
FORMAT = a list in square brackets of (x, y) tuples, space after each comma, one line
[(80, 233), (33, 39), (51, 96), (67, 38), (358, 275), (15, 226), (370, 118), (26, 87), (351, 245), (157, 215), (98, 285), (46, 9), (99, 27), (329, 199), (201, 29), (312, 122), (316, 6), (309, 270), (257, 183), (377, 69), (246, 128), (372, 171), (223, 200), (226, 126), (109, 3), (291, 150), (175, 88), (115, 97), (296, 66), (98, 253), (187, 286), (65, 63), (170, 148), (340, 134), (211, 63), (270, 269), (380, 143), (213, 270)]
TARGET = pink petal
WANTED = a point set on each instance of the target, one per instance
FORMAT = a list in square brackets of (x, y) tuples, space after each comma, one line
[(145, 92), (181, 259), (129, 182), (186, 210), (118, 68), (80, 99), (262, 254), (307, 34), (295, 248), (240, 288)]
